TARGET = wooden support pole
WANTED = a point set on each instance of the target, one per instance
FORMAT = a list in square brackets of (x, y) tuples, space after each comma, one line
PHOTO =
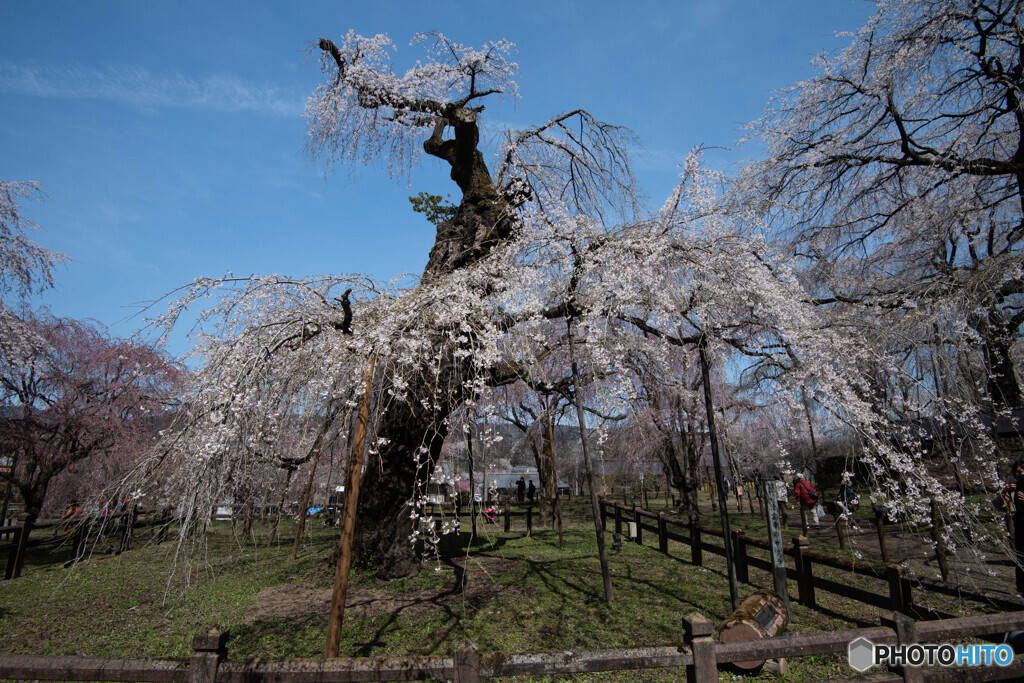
[(880, 525), (316, 448), (129, 527), (938, 542), (351, 503), (716, 458), (508, 512), (602, 552)]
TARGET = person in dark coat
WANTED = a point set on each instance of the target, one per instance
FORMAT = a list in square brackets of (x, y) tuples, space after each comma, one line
[(531, 492), (520, 489)]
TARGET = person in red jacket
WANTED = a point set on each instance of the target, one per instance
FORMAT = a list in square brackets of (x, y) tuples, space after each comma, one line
[(807, 496)]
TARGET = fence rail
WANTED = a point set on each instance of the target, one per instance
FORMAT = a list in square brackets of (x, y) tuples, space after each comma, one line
[(899, 588), (699, 653)]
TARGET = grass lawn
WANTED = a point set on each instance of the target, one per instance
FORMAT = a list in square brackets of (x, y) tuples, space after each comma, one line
[(510, 593)]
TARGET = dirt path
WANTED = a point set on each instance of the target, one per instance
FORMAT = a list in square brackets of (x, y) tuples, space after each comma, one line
[(297, 600)]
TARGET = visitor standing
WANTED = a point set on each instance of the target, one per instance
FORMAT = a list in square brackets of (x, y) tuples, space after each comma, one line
[(807, 497), (782, 494)]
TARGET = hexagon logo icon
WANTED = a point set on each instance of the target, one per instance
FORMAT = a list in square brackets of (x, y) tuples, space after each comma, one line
[(862, 654)]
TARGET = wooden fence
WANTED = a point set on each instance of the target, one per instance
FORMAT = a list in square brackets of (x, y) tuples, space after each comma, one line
[(698, 652), (119, 528), (896, 586)]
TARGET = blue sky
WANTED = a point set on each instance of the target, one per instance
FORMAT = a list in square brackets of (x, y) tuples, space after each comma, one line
[(169, 137)]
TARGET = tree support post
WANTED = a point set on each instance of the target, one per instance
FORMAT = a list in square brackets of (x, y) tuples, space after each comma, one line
[(129, 528), (351, 503), (880, 525), (938, 542), (705, 369), (591, 483)]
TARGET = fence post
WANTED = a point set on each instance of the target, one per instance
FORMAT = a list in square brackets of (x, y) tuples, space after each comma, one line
[(662, 533), (618, 518), (696, 552), (466, 660), (508, 512), (12, 558), (740, 556), (880, 524), (636, 521), (842, 532), (529, 519), (906, 634), (697, 630), (210, 650), (900, 597), (804, 571), (16, 562)]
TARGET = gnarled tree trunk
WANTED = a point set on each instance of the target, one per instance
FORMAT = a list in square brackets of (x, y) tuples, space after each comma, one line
[(482, 220)]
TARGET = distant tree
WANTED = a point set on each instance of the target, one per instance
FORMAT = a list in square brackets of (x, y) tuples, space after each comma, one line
[(75, 393), (25, 267)]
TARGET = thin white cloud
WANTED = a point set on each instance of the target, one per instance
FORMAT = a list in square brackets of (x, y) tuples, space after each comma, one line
[(143, 88)]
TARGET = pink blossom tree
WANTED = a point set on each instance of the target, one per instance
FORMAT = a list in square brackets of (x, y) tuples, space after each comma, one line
[(72, 393)]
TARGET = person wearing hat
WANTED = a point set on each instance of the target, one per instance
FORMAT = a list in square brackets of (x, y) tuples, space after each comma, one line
[(807, 496)]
